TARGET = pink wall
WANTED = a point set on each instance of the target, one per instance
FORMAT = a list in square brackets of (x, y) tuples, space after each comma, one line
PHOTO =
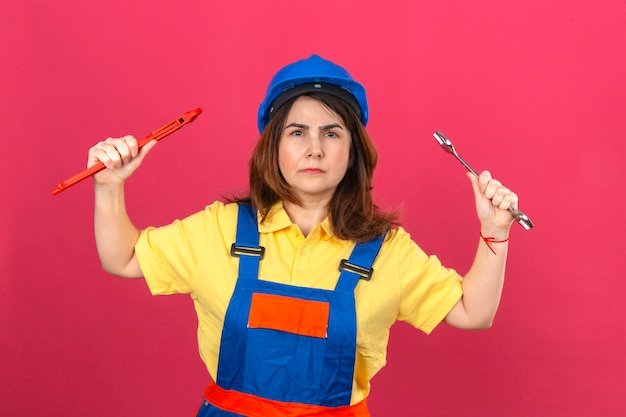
[(534, 91)]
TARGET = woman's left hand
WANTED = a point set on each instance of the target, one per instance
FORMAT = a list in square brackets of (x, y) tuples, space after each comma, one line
[(492, 202)]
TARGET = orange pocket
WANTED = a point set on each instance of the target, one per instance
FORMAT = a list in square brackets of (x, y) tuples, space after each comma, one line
[(293, 315)]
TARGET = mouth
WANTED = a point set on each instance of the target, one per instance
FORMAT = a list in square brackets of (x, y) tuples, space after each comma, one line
[(312, 171)]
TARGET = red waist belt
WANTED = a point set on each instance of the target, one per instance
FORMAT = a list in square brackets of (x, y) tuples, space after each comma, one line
[(253, 406)]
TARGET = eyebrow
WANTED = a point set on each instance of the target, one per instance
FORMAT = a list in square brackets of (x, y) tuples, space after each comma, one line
[(325, 127)]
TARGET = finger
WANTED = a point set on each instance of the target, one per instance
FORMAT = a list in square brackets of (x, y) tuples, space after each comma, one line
[(491, 188), (98, 153), (111, 157), (500, 197), (113, 152), (132, 145), (510, 200), (119, 152), (126, 147), (505, 198), (483, 180)]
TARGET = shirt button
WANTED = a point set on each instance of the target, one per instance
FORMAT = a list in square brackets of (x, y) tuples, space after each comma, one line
[(300, 271), (303, 251)]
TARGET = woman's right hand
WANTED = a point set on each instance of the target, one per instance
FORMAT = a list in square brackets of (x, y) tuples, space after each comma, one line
[(121, 157)]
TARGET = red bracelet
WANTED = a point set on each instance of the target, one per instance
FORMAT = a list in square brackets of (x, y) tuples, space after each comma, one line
[(489, 240)]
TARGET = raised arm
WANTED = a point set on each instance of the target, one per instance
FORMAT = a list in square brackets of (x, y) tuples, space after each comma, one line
[(115, 233), (482, 285)]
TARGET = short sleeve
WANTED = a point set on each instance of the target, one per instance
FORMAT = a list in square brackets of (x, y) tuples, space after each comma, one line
[(428, 289), (169, 255)]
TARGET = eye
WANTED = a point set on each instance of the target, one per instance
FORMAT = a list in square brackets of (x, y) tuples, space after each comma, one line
[(332, 134), (297, 133)]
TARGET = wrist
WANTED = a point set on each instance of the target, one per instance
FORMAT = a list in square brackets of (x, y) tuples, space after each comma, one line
[(495, 232), (108, 192), (109, 186), (490, 240)]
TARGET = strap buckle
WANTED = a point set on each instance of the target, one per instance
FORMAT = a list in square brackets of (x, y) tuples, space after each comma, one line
[(364, 273), (237, 251)]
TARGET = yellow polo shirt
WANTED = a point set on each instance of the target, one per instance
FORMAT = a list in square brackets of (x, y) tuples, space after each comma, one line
[(192, 256)]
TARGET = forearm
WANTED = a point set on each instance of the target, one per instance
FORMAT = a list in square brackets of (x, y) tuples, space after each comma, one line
[(483, 283), (115, 233)]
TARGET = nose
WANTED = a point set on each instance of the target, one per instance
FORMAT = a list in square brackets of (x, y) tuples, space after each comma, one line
[(315, 148)]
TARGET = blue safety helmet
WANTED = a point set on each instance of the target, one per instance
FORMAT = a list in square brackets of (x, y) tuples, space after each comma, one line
[(308, 75)]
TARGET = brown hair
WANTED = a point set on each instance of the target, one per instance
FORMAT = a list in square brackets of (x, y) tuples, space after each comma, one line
[(352, 212)]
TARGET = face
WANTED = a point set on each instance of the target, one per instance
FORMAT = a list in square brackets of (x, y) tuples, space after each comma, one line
[(313, 151)]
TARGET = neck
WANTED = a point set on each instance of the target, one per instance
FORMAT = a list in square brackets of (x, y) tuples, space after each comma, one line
[(306, 216)]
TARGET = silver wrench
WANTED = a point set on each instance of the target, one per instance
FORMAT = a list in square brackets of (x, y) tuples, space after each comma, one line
[(447, 146)]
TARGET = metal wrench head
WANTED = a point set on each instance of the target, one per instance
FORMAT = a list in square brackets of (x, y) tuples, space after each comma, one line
[(447, 146), (522, 219), (444, 142)]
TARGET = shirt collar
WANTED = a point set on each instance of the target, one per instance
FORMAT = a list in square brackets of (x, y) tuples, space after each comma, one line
[(278, 219)]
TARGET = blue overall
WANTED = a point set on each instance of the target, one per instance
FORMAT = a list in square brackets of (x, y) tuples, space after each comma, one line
[(278, 365)]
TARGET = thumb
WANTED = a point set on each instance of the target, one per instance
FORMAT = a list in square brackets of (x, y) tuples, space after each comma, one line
[(145, 149), (141, 154), (474, 180)]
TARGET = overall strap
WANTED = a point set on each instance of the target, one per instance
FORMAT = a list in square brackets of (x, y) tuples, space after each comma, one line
[(359, 265), (246, 245)]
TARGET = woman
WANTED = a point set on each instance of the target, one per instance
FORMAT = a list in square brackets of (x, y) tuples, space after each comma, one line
[(296, 285)]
